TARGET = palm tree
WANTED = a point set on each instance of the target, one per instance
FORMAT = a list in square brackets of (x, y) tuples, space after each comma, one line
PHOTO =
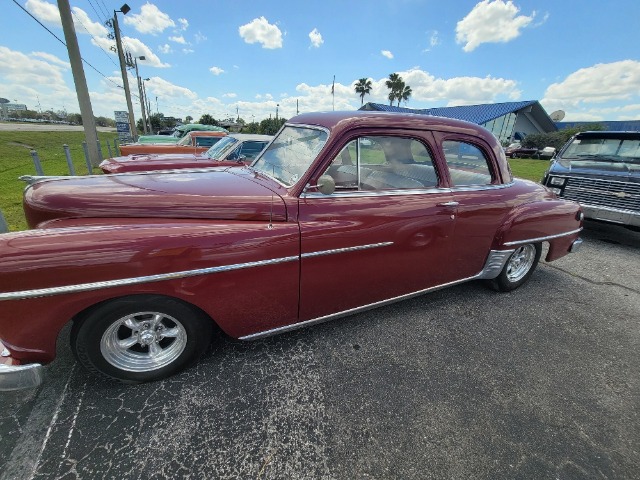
[(393, 84), (363, 87), (404, 92)]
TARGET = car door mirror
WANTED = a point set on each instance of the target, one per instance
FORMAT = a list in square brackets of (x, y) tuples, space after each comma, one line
[(326, 185)]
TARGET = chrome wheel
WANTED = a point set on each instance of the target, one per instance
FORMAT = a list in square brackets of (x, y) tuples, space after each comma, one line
[(143, 341), (520, 263)]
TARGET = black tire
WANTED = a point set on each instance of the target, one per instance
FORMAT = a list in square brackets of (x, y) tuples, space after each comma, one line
[(140, 338), (518, 267), (513, 155)]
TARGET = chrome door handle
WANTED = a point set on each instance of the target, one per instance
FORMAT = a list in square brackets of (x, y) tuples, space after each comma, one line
[(448, 204)]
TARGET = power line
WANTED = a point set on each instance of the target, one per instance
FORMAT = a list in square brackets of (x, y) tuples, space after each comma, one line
[(95, 11), (94, 38), (63, 43)]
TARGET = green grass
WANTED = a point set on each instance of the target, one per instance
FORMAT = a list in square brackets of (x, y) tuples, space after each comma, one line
[(16, 160), (529, 169)]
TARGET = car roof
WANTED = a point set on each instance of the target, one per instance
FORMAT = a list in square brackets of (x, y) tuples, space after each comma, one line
[(250, 136)]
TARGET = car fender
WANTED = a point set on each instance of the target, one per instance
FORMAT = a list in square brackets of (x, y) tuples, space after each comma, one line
[(50, 275), (541, 221)]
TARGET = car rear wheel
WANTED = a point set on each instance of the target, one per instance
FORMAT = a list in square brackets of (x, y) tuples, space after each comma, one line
[(518, 268), (140, 338)]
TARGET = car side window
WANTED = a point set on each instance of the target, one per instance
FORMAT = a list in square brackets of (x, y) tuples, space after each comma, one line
[(250, 149), (467, 164), (383, 163), (206, 141)]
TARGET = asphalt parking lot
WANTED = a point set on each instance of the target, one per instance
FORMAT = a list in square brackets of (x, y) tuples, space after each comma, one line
[(540, 383)]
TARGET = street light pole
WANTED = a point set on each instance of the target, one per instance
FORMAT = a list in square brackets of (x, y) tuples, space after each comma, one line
[(123, 69), (142, 106), (147, 104)]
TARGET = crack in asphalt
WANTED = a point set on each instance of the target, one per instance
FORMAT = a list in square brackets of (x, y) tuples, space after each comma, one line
[(593, 282)]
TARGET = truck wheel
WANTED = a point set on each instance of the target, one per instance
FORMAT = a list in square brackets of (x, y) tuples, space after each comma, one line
[(518, 268), (140, 338)]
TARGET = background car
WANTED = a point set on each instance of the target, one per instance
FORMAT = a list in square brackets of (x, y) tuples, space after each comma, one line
[(192, 142), (179, 132), (233, 149), (516, 150)]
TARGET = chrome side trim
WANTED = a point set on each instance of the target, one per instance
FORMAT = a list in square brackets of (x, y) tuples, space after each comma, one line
[(83, 287), (375, 193), (541, 239), (492, 268), (18, 377), (347, 249)]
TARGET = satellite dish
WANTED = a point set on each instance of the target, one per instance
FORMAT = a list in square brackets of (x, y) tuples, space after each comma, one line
[(4, 100), (557, 116)]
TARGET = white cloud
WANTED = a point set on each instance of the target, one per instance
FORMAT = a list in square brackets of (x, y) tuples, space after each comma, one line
[(136, 47), (150, 20), (491, 21), (259, 30), (230, 95), (386, 53), (48, 57), (48, 13), (216, 70), (166, 49), (604, 91), (199, 37), (184, 23), (187, 51), (316, 38), (178, 39)]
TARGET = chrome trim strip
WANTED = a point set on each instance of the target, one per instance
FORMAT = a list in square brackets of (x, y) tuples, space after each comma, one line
[(492, 268), (375, 193), (611, 209), (541, 239), (344, 250), (83, 287)]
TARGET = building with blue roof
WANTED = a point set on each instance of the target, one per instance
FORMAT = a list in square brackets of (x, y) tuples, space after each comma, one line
[(508, 121)]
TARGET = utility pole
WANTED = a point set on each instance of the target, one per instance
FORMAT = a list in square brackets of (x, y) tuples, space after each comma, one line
[(123, 69), (142, 106), (147, 104), (88, 120)]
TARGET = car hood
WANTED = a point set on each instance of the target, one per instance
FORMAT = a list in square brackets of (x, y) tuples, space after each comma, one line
[(160, 161), (616, 170), (235, 193)]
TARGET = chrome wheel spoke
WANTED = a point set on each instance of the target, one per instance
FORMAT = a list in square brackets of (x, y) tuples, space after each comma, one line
[(155, 350), (132, 324), (127, 343), (170, 332), (157, 318)]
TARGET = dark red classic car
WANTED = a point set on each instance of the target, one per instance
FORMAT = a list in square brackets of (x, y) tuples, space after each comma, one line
[(341, 213)]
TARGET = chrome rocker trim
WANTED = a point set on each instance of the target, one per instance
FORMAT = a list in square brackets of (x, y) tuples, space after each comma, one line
[(492, 268), (83, 287)]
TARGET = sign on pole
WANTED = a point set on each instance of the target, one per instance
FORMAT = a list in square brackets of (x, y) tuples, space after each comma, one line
[(122, 126)]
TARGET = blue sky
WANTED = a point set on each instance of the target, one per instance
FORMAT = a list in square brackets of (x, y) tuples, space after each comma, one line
[(209, 56)]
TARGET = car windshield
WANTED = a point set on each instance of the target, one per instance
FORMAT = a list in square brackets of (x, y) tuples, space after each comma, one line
[(291, 153), (186, 140), (605, 149), (222, 148)]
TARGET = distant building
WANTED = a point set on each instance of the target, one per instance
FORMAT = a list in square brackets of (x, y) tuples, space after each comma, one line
[(615, 126), (12, 107), (508, 121)]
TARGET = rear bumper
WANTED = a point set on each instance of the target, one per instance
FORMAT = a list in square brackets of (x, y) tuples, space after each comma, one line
[(18, 377)]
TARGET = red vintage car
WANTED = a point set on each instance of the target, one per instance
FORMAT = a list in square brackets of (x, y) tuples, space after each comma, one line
[(193, 142), (230, 150), (341, 213)]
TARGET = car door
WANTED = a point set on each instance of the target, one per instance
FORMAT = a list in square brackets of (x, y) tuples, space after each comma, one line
[(383, 233), (482, 200)]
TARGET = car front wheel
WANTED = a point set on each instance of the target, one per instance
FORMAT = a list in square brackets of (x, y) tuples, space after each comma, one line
[(519, 267), (140, 338)]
